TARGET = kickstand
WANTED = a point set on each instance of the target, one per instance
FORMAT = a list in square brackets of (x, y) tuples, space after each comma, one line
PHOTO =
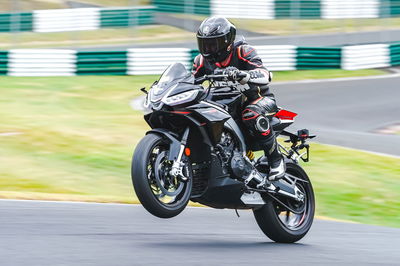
[(237, 213)]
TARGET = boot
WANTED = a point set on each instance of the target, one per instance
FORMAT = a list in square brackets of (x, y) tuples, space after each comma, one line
[(275, 160)]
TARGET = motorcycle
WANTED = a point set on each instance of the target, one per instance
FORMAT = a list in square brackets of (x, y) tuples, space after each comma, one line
[(198, 151)]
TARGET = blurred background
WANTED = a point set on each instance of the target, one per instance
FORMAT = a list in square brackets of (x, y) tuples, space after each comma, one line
[(70, 75)]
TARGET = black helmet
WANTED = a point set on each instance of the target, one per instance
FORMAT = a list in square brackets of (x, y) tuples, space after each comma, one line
[(214, 36)]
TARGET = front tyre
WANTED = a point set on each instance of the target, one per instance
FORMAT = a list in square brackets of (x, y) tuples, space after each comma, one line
[(288, 225), (161, 194)]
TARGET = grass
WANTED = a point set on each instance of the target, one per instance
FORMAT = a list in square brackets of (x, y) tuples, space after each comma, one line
[(28, 5), (77, 136), (105, 36)]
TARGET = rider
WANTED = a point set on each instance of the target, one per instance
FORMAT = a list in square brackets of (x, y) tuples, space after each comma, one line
[(219, 53)]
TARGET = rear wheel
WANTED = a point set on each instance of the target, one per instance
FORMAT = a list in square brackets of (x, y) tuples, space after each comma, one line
[(160, 193), (290, 221)]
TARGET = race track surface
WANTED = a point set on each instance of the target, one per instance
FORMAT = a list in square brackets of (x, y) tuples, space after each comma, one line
[(55, 233), (346, 112)]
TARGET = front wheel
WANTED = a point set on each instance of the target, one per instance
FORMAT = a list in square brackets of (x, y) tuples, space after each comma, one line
[(161, 194), (288, 222)]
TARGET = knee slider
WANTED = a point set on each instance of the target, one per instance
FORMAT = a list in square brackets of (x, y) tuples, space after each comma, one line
[(262, 125), (255, 121)]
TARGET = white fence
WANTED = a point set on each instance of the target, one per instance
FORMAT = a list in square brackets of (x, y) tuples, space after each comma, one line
[(66, 19), (41, 62), (144, 61), (256, 9), (153, 61), (365, 56), (278, 57), (336, 9)]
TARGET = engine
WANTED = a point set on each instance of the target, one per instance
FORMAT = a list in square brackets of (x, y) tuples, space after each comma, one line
[(225, 150)]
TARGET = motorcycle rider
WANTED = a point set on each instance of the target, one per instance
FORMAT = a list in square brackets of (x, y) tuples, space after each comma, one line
[(219, 53)]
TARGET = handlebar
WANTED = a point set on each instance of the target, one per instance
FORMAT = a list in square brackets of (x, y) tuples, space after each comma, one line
[(218, 77), (210, 77)]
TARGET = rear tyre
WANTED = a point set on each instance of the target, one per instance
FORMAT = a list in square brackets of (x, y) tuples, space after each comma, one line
[(160, 193), (279, 223)]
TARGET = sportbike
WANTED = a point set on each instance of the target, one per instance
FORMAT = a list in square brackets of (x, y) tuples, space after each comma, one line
[(198, 151)]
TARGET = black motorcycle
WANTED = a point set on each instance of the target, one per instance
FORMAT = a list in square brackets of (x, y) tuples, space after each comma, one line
[(198, 151)]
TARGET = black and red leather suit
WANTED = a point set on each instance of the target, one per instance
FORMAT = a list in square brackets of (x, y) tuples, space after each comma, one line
[(260, 105)]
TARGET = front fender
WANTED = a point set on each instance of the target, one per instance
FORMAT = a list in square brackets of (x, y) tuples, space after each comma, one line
[(174, 143)]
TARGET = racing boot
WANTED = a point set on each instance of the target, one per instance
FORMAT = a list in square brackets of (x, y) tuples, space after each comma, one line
[(275, 160)]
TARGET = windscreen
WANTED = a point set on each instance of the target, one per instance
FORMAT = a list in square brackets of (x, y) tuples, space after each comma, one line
[(174, 74)]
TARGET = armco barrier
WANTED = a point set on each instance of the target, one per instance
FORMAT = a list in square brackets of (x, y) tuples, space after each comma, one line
[(16, 22), (147, 61), (277, 9), (122, 17), (41, 62), (278, 57), (3, 62), (102, 63), (318, 58), (365, 56), (143, 61), (76, 19), (257, 9), (395, 54), (306, 9), (201, 7)]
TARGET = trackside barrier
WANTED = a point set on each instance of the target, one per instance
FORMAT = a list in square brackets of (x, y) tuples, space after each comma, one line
[(66, 19), (365, 56), (278, 57), (395, 54), (16, 22), (102, 63), (143, 61), (318, 58), (76, 19), (153, 61), (41, 62), (337, 9), (201, 7), (256, 9), (276, 9), (3, 62)]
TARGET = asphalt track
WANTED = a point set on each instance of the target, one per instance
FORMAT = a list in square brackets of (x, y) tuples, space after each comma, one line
[(55, 233), (346, 112)]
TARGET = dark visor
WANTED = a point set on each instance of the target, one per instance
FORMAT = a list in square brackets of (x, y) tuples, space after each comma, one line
[(209, 46)]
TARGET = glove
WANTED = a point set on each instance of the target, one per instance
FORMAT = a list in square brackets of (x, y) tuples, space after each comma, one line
[(234, 74)]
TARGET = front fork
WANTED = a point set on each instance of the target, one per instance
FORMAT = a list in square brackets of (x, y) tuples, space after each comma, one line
[(177, 166)]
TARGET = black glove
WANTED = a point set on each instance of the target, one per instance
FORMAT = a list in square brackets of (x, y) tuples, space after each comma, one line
[(232, 73)]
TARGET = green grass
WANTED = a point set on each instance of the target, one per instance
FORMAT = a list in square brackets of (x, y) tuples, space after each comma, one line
[(77, 136), (107, 36), (28, 5)]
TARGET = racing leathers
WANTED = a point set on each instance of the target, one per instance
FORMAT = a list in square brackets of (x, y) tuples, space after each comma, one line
[(260, 105)]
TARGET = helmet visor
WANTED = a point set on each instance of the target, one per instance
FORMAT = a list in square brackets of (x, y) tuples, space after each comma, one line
[(209, 46)]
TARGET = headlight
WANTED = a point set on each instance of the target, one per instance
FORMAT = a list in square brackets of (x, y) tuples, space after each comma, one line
[(180, 98)]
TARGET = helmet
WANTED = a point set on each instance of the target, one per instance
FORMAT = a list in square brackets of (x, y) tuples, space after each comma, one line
[(214, 37)]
